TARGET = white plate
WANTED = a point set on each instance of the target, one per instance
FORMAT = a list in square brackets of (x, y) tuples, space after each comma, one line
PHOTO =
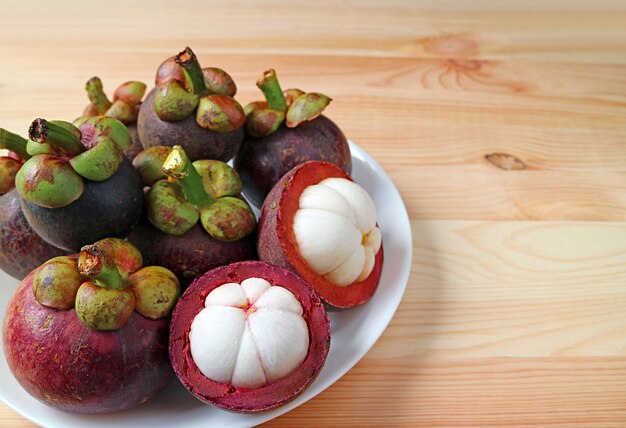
[(353, 333)]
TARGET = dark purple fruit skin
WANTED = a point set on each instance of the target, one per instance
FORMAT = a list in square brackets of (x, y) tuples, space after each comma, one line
[(21, 249), (133, 150), (66, 365), (110, 208), (191, 254), (199, 143), (261, 162)]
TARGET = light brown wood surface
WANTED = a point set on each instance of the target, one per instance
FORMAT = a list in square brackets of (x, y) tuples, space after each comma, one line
[(515, 312)]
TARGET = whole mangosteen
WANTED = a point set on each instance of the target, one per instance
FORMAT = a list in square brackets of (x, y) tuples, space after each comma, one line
[(125, 108), (322, 225), (89, 333), (21, 249), (78, 187), (194, 108), (196, 218), (283, 132), (248, 337)]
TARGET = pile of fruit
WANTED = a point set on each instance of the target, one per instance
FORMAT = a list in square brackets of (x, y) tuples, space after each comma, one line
[(141, 258)]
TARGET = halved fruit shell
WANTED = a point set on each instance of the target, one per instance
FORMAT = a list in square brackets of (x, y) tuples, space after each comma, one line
[(277, 242), (248, 399)]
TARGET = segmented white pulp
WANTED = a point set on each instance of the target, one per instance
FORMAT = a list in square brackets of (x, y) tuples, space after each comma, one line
[(335, 229), (249, 334)]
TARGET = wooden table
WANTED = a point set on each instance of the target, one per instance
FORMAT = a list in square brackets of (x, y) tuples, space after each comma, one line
[(515, 312)]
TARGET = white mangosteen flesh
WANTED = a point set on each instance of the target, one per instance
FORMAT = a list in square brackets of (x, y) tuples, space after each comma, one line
[(249, 334), (335, 229)]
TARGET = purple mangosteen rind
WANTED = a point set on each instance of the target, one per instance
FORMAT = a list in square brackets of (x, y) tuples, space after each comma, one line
[(21, 249), (66, 365), (190, 254), (108, 208), (261, 162), (273, 394)]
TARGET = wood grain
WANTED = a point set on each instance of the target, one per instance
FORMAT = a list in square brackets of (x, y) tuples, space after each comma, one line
[(514, 312)]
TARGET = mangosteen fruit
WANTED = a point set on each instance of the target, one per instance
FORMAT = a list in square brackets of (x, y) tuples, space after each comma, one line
[(21, 249), (194, 108), (322, 225), (196, 218), (125, 108), (78, 187), (89, 333), (283, 131), (248, 337)]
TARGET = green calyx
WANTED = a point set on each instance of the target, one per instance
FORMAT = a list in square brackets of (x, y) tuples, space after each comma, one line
[(220, 113), (291, 106), (184, 88), (172, 102), (202, 191), (149, 164), (56, 282), (105, 284), (125, 105), (63, 155), (48, 181), (8, 171), (156, 291)]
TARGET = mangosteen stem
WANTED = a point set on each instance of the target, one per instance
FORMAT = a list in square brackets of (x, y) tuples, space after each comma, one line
[(187, 59), (99, 267), (13, 142), (178, 168), (97, 96), (268, 83), (42, 131)]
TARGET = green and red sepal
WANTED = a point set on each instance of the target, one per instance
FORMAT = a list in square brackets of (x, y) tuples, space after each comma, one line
[(63, 155), (292, 106), (105, 284), (184, 88), (201, 191), (125, 105)]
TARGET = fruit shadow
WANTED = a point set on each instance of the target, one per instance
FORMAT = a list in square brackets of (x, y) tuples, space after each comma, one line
[(393, 369)]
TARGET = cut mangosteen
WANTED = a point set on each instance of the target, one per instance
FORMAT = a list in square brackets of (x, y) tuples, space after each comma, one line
[(21, 249), (89, 333), (319, 223), (248, 337), (125, 108), (193, 108), (78, 187), (284, 131), (197, 219)]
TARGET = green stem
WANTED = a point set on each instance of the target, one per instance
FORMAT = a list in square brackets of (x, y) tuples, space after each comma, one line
[(187, 59), (42, 131), (14, 143), (97, 96), (99, 267), (179, 168), (268, 83)]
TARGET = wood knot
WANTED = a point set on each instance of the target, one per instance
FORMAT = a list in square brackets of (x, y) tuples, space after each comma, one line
[(505, 161), (450, 45)]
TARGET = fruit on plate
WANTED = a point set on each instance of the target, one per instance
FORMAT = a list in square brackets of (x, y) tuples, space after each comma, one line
[(125, 108), (21, 249), (248, 336), (196, 218), (284, 131), (89, 333), (194, 108), (319, 223), (78, 187)]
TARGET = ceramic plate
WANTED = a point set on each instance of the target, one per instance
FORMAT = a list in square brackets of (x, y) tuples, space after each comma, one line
[(353, 333)]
